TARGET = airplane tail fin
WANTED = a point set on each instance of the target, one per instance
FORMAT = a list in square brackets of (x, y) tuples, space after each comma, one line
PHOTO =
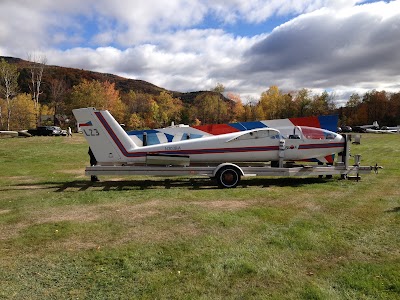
[(107, 139)]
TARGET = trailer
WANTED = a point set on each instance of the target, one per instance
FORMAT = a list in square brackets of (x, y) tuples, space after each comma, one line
[(228, 175)]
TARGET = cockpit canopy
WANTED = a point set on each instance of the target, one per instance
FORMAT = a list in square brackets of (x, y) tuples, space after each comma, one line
[(293, 133), (304, 132)]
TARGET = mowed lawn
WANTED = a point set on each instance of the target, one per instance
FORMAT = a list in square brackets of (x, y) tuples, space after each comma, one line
[(63, 237)]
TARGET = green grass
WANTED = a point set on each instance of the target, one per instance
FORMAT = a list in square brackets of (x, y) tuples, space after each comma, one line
[(63, 237)]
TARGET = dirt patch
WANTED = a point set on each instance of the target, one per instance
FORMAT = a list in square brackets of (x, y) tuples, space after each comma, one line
[(131, 212), (59, 214), (93, 213), (133, 217), (299, 204), (29, 187), (225, 205), (81, 214)]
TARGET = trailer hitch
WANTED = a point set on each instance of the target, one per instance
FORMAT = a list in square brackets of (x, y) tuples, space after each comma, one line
[(376, 168)]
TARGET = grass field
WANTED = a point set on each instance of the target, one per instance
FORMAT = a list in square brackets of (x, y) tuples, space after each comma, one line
[(63, 237)]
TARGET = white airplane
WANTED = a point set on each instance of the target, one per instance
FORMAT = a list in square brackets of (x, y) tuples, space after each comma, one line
[(384, 129), (11, 133), (364, 128), (111, 145), (374, 125)]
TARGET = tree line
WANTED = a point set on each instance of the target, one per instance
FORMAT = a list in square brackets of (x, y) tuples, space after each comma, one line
[(139, 110)]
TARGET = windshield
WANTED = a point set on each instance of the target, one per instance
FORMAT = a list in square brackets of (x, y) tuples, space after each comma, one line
[(304, 132)]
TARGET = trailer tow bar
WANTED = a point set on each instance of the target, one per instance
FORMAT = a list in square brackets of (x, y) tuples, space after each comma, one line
[(376, 168)]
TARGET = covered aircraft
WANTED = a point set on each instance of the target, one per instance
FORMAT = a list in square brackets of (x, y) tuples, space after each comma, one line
[(112, 145), (180, 132), (175, 133)]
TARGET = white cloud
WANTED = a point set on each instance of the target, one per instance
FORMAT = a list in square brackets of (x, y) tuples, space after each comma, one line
[(328, 44), (128, 23), (357, 47)]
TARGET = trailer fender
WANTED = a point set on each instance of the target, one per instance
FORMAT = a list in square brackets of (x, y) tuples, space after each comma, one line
[(225, 165)]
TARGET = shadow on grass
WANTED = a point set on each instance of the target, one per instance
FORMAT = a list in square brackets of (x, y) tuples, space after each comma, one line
[(394, 210), (183, 183)]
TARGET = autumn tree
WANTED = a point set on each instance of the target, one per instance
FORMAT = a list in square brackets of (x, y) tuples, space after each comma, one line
[(101, 95), (393, 117), (271, 103), (288, 109), (322, 104), (377, 104), (372, 106), (58, 90), (354, 113), (145, 110), (8, 88), (252, 110), (153, 115), (137, 102), (37, 66), (209, 109), (23, 116), (113, 100), (204, 108), (302, 102), (219, 89), (88, 94), (169, 109), (238, 110), (136, 121)]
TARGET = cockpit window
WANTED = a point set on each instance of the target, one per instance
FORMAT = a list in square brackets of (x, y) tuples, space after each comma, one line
[(310, 133), (259, 134)]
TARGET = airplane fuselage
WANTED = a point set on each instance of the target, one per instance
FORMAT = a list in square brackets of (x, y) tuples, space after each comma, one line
[(111, 144)]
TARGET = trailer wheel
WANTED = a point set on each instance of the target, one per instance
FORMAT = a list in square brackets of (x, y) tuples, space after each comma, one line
[(228, 177)]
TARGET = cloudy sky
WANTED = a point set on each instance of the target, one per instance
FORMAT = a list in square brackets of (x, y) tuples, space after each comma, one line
[(342, 46)]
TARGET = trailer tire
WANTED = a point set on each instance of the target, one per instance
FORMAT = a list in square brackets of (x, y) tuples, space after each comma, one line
[(228, 177)]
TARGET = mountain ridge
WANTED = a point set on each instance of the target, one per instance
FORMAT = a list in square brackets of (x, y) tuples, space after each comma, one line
[(73, 76)]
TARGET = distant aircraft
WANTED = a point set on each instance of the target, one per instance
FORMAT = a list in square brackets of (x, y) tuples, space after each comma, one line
[(111, 145), (384, 129), (374, 128), (11, 133), (363, 128)]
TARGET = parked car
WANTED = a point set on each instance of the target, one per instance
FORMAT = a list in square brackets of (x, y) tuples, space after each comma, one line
[(347, 129), (359, 129), (47, 131)]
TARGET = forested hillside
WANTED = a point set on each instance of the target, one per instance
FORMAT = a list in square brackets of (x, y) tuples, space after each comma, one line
[(32, 92)]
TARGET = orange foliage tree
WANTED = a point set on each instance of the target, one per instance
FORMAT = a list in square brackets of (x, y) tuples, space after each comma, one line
[(101, 95), (24, 113), (237, 108)]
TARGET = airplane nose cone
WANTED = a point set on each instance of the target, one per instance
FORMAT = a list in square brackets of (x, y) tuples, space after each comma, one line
[(340, 138)]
